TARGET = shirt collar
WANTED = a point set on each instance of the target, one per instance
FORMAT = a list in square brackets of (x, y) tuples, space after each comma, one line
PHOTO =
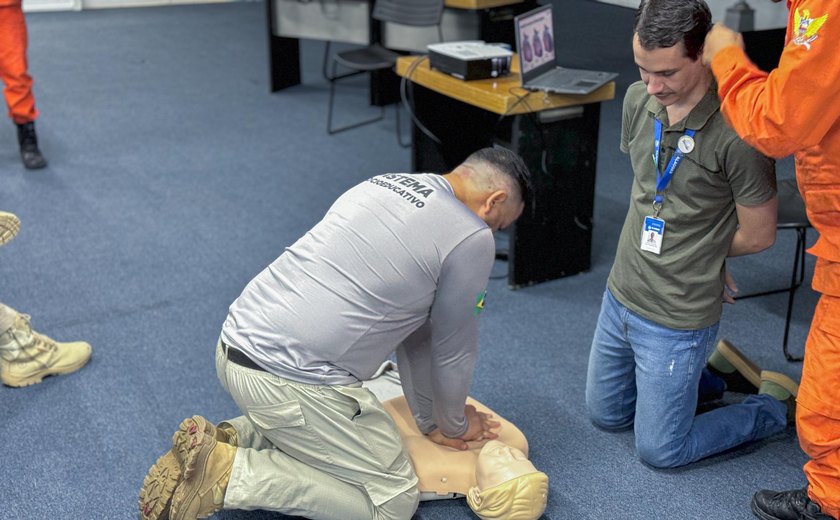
[(697, 118)]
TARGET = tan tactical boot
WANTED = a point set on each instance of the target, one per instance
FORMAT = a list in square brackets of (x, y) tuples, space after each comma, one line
[(9, 226), (225, 432), (738, 371), (207, 469), (158, 487), (27, 357), (781, 387), (192, 432), (168, 472)]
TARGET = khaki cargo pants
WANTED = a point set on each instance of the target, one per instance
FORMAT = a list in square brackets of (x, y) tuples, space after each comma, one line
[(321, 452)]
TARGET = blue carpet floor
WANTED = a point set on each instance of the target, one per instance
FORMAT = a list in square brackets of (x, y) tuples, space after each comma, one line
[(175, 177)]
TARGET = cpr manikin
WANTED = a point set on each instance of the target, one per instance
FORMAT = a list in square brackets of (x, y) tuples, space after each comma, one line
[(496, 476), (508, 486)]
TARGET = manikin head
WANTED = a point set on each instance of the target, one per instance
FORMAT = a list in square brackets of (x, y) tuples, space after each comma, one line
[(508, 486), (493, 183), (668, 37)]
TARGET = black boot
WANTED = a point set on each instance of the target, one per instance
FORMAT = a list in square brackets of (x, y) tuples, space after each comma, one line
[(29, 152), (786, 505)]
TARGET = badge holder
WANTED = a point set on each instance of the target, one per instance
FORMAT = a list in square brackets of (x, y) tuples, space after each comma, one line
[(653, 230)]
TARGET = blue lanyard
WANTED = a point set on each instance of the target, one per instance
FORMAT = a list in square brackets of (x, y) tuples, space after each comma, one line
[(662, 179)]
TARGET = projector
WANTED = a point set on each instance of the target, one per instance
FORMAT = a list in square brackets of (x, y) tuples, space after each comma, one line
[(470, 60)]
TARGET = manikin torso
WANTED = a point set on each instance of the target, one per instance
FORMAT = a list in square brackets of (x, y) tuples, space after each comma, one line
[(443, 471)]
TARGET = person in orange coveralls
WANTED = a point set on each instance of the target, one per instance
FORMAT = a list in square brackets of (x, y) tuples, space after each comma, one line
[(18, 82), (795, 110)]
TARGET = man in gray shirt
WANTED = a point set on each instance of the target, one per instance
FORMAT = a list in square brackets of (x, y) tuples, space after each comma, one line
[(399, 263)]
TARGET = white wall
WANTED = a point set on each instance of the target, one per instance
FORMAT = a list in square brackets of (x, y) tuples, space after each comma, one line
[(768, 15), (76, 5), (51, 5), (99, 4)]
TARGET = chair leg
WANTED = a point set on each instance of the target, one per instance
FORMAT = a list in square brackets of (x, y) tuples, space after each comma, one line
[(333, 79), (797, 276), (803, 240), (399, 128), (325, 61)]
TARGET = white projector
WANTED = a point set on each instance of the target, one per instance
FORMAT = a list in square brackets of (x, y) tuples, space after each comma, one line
[(473, 59)]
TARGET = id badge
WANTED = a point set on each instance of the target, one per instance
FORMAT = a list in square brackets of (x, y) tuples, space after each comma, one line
[(652, 232)]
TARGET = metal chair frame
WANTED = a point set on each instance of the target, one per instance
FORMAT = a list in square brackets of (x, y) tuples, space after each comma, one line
[(395, 11), (800, 224), (796, 279)]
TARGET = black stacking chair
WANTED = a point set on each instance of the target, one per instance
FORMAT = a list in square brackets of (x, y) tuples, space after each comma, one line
[(415, 13), (791, 216)]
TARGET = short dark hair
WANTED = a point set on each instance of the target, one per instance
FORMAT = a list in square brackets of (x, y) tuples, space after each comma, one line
[(507, 163), (661, 24)]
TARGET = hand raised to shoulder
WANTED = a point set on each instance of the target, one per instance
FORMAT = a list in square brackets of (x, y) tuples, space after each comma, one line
[(719, 37)]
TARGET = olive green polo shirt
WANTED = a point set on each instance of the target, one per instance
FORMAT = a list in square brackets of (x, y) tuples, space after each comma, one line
[(681, 287)]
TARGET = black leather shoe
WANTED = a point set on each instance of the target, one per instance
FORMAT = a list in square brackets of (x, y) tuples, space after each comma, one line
[(29, 152), (786, 505)]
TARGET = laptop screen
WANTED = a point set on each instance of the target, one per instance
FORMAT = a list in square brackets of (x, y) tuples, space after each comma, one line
[(535, 42)]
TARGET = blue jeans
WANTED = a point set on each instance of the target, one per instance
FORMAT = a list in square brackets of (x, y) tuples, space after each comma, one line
[(647, 375)]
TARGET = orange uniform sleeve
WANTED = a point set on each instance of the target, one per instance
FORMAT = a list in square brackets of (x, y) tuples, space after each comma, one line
[(794, 106)]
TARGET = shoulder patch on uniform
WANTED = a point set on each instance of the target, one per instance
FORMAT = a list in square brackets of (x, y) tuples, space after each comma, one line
[(479, 302), (805, 27)]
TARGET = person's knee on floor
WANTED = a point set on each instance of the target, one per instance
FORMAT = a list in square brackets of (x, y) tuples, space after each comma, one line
[(603, 416), (610, 423), (660, 455)]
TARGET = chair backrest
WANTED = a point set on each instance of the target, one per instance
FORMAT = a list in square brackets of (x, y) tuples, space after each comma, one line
[(418, 13), (791, 208)]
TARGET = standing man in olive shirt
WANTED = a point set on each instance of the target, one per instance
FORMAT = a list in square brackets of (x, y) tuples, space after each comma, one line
[(700, 194)]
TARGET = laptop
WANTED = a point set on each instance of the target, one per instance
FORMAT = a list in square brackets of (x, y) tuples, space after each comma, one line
[(538, 67)]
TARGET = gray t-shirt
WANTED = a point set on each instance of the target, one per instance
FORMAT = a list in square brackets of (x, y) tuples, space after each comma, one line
[(397, 262), (681, 287)]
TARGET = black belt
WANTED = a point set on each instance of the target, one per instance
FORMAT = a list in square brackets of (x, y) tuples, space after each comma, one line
[(239, 357)]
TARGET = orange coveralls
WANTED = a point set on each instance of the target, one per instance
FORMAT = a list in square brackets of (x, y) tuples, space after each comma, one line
[(13, 65), (796, 109)]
